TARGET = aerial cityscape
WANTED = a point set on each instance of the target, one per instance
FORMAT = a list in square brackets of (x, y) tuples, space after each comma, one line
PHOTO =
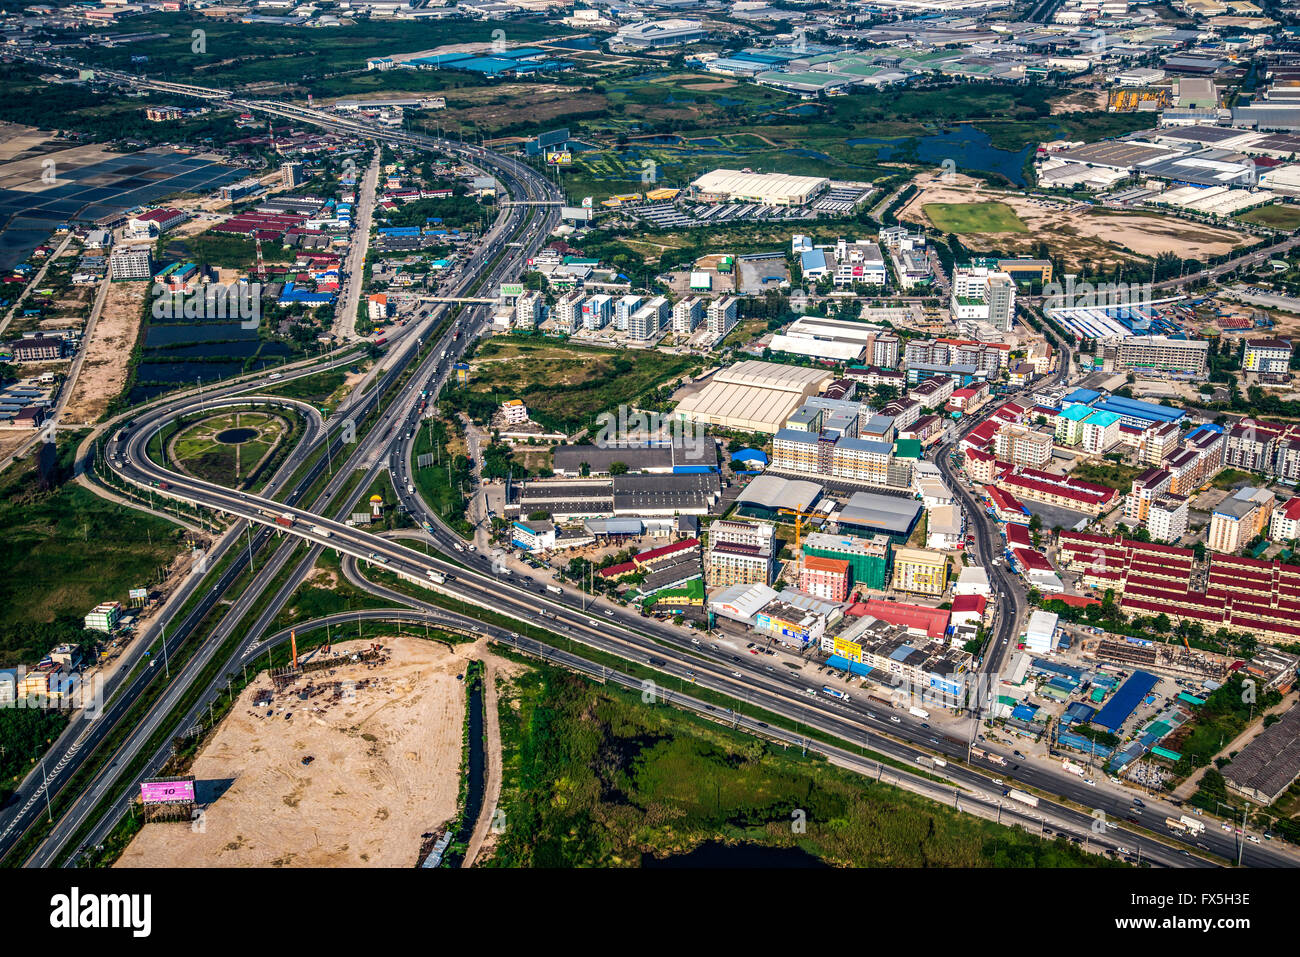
[(509, 434)]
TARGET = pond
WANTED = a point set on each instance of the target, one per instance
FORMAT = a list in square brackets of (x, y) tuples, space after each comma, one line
[(236, 436), (968, 147)]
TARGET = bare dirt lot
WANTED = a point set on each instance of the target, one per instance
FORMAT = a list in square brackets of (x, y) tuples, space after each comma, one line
[(1086, 235), (385, 769), (103, 372)]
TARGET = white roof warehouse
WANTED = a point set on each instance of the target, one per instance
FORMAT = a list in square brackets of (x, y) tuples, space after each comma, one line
[(770, 189)]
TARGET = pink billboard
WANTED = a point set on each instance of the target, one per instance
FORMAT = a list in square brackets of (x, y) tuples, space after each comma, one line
[(163, 792)]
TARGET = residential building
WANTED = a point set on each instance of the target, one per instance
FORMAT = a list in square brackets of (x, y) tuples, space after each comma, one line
[(131, 263), (826, 578), (648, 320), (1284, 526), (514, 411), (1158, 442), (1167, 518), (740, 553), (1267, 356), (1022, 446), (1149, 484), (1185, 358), (104, 617), (687, 314), (1236, 520), (596, 312), (1100, 432), (722, 315), (920, 570), (568, 312)]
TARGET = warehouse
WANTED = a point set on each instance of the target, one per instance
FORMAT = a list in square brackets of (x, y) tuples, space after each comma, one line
[(1266, 767), (769, 189), (753, 396), (679, 457), (868, 514), (767, 494)]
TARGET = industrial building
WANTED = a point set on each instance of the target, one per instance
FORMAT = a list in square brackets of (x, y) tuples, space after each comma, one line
[(767, 189), (753, 396)]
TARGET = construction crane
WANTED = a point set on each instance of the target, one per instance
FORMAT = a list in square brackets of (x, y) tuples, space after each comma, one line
[(293, 643), (799, 515)]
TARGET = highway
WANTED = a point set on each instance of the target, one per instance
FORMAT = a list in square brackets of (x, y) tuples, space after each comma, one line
[(794, 694)]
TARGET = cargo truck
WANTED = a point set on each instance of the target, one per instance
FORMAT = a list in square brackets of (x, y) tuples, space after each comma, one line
[(322, 531), (827, 689), (1192, 824), (1018, 795), (918, 712), (1174, 824), (555, 589), (285, 519), (438, 577)]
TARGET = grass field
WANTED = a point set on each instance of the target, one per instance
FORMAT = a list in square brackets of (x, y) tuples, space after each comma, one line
[(202, 450), (963, 218), (1277, 216), (65, 550), (1106, 473), (592, 777), (566, 385)]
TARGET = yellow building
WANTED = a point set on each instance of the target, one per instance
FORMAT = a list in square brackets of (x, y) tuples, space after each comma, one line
[(920, 570)]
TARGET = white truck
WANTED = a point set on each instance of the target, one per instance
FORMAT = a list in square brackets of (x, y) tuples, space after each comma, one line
[(1192, 824), (322, 531), (436, 576), (918, 712), (555, 589), (1071, 767), (1018, 795)]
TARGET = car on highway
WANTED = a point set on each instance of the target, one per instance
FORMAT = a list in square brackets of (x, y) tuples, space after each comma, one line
[(735, 674), (895, 719)]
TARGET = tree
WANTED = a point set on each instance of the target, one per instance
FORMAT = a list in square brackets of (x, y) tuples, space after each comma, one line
[(617, 468), (1161, 624)]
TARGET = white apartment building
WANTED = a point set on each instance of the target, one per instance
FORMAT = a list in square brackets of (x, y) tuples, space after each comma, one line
[(687, 314), (568, 312), (646, 322), (1167, 517), (623, 310), (1022, 446), (982, 293), (722, 316)]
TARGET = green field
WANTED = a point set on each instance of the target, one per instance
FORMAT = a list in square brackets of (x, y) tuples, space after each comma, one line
[(592, 777), (65, 550), (1277, 216), (1109, 474), (964, 218), (565, 386), (206, 451)]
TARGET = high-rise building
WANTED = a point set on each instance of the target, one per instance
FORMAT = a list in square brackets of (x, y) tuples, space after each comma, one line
[(826, 578), (868, 558), (292, 174), (1167, 518), (1238, 519), (722, 315), (687, 314)]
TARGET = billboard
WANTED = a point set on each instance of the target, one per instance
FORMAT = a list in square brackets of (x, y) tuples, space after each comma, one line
[(174, 791), (138, 593), (848, 649), (580, 214), (512, 289), (586, 202), (560, 158)]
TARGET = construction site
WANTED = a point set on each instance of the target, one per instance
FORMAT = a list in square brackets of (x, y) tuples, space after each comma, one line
[(1174, 660), (346, 760)]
